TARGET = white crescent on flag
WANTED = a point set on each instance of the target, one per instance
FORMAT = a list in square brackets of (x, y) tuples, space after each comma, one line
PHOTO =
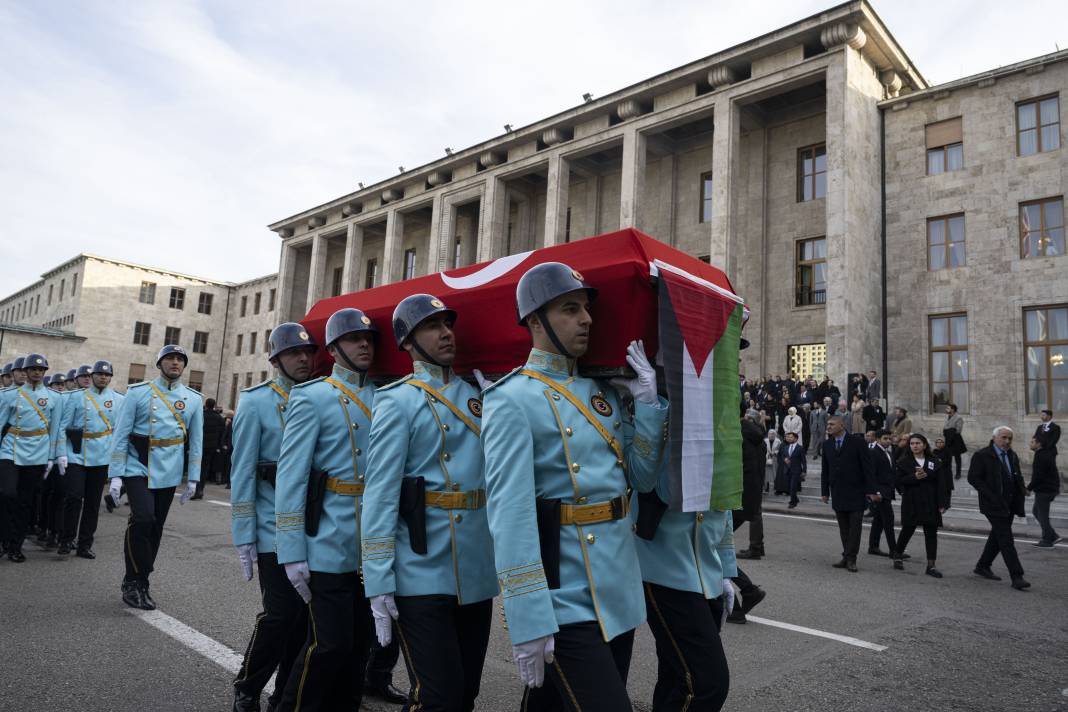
[(498, 268)]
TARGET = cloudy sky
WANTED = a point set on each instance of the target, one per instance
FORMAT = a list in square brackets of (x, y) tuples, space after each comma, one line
[(170, 133)]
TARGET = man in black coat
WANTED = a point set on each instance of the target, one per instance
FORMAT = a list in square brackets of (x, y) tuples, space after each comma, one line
[(754, 457), (994, 472), (790, 467), (882, 465), (847, 480), (1048, 432), (1045, 485), (214, 425)]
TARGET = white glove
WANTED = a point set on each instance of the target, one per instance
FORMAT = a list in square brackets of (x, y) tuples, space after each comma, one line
[(247, 554), (190, 490), (531, 658), (643, 388), (298, 574), (728, 600), (61, 461), (384, 610), (115, 489), (483, 382), (48, 469)]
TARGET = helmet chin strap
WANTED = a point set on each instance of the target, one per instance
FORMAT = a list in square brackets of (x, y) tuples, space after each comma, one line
[(351, 365), (552, 334)]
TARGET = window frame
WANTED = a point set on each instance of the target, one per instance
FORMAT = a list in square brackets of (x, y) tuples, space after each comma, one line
[(949, 348), (168, 330), (702, 199), (240, 343), (1037, 101), (1041, 202), (1043, 344), (409, 273), (800, 264), (146, 336), (252, 342), (371, 274), (801, 177), (200, 338), (271, 294), (257, 301), (944, 150), (205, 303), (147, 295), (944, 219), (244, 304), (335, 282)]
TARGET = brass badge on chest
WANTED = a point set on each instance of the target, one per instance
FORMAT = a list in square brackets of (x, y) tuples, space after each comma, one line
[(42, 401), (475, 406), (179, 405), (600, 405), (107, 404)]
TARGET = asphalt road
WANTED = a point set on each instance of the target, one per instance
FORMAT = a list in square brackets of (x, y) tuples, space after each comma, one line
[(67, 642)]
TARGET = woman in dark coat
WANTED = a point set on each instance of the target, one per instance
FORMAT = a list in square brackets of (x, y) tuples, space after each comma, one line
[(918, 478)]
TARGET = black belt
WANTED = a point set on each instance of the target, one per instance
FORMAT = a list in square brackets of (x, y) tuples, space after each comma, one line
[(267, 471)]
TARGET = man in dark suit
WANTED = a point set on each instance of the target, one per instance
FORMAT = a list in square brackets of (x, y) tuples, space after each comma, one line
[(994, 472), (847, 480), (791, 467), (882, 465), (1048, 432)]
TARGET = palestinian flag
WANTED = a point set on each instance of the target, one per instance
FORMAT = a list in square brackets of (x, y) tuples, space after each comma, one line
[(700, 326)]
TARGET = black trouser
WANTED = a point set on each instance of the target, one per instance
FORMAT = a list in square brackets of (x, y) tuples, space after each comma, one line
[(587, 674), (850, 525), (795, 487), (756, 525), (692, 672), (144, 529), (883, 522), (328, 671), (956, 464), (1000, 541), (444, 646), (9, 485), (1041, 511), (83, 488), (745, 584), (278, 635), (381, 661), (50, 516), (27, 487), (930, 538)]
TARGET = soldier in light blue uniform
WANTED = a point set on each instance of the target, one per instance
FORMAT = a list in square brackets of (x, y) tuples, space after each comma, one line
[(32, 417), (261, 414), (427, 551), (320, 486), (5, 376), (158, 421), (8, 473), (560, 453), (49, 516), (89, 417)]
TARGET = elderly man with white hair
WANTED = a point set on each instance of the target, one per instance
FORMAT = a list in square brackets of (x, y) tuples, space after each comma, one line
[(995, 474), (792, 424)]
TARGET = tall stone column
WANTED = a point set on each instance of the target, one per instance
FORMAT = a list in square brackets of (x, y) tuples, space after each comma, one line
[(393, 259), (285, 281), (556, 199), (633, 179), (593, 205), (434, 261), (315, 274), (493, 220), (350, 271), (724, 168)]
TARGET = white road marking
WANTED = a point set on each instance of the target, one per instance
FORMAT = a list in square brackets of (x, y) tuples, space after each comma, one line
[(867, 524), (193, 639), (219, 502), (819, 633)]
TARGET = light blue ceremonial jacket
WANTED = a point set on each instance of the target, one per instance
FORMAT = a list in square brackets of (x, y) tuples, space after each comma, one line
[(415, 435), (325, 430), (538, 444), (94, 411), (691, 551), (28, 409), (167, 413), (258, 425)]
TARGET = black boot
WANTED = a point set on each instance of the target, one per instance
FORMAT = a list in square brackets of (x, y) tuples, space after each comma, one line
[(86, 553), (16, 555), (146, 597), (131, 594), (386, 692), (64, 548), (245, 703)]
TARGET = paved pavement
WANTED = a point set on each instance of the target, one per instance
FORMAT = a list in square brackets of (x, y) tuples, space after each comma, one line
[(961, 643)]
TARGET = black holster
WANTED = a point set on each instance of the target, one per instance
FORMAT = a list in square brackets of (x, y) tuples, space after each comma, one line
[(548, 514), (140, 444), (3, 431), (412, 510), (267, 471), (313, 507), (650, 511), (75, 437)]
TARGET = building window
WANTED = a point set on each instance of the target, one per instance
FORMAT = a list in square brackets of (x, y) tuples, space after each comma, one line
[(136, 373), (204, 302), (50, 288), (142, 332), (812, 172), (62, 288), (706, 197), (267, 341), (458, 253), (1038, 125), (248, 379), (37, 304), (177, 300), (372, 274), (148, 293), (244, 305), (1046, 355), (252, 342), (240, 343), (233, 391), (335, 287), (949, 362), (73, 284), (200, 342), (256, 302), (945, 242), (409, 263), (270, 300), (811, 272), (172, 335), (196, 380), (807, 360), (945, 146), (1042, 228), (263, 376)]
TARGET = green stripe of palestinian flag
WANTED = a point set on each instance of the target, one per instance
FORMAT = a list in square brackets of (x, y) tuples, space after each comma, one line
[(726, 400)]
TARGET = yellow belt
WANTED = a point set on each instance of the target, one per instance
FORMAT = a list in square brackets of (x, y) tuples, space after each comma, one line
[(29, 433), (101, 434), (617, 508), (475, 499), (164, 443), (344, 487)]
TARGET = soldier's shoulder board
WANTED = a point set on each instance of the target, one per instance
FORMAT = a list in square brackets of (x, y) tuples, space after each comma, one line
[(196, 391), (502, 379), (396, 383), (308, 383), (139, 384), (256, 387)]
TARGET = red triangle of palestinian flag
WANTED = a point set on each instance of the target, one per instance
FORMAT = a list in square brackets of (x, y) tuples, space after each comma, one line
[(701, 316)]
